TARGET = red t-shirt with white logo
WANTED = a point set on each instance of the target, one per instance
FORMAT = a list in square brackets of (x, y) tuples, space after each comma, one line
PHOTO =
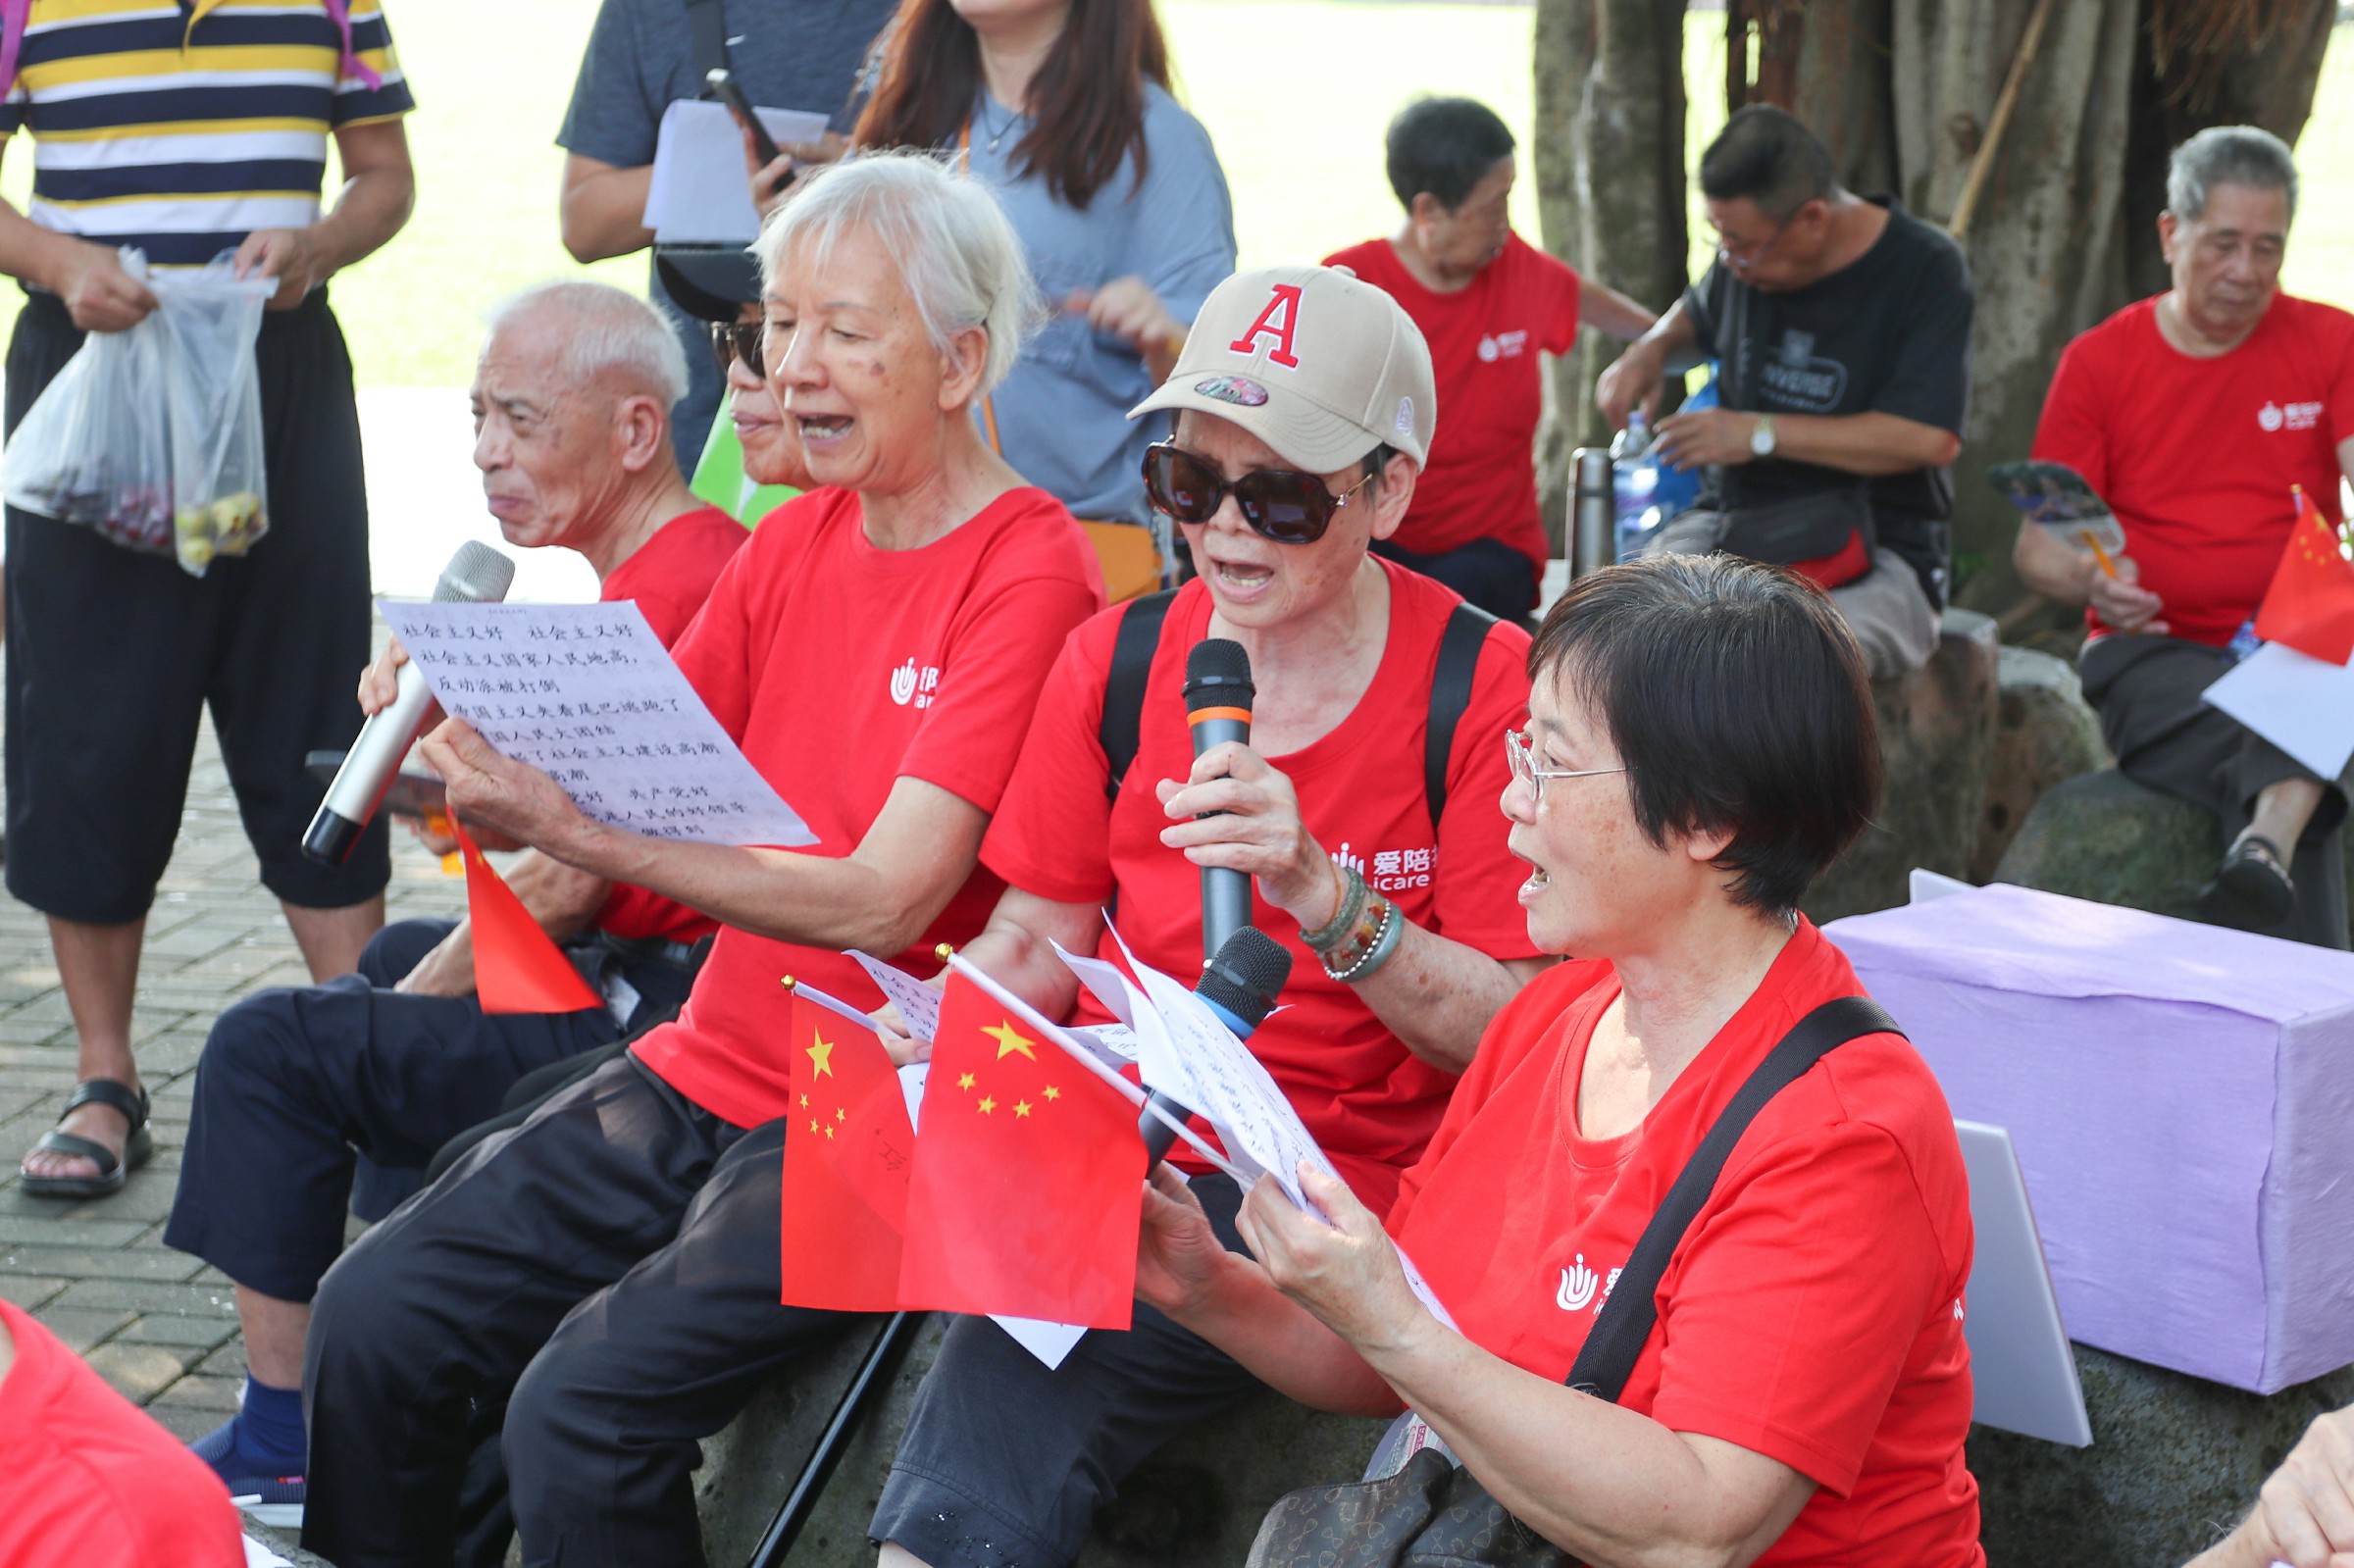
[(839, 669), (90, 1480), (669, 577), (1813, 1311), (1481, 479), (1371, 1103), (2196, 456)]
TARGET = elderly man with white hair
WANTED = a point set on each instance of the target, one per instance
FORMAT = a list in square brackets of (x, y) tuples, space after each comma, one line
[(572, 402), (614, 1261), (2197, 414)]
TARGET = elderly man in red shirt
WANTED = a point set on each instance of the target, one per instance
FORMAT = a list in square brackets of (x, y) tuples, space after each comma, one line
[(2194, 413)]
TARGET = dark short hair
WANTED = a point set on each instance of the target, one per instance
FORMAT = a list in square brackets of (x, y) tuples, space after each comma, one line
[(1737, 698), (1444, 146), (1765, 155)]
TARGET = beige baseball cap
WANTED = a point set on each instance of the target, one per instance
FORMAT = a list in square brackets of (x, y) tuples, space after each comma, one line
[(1316, 362)]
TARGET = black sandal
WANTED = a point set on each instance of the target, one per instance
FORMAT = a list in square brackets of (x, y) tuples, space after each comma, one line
[(113, 1172), (2251, 889)]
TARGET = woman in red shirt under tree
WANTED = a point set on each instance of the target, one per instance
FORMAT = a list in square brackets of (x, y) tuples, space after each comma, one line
[(1700, 745)]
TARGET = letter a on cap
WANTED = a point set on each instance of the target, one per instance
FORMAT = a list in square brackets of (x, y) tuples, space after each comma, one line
[(1276, 321)]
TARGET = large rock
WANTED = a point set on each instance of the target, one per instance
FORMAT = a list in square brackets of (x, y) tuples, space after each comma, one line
[(2045, 733), (1197, 1503), (2174, 1462), (1937, 729), (2103, 836)]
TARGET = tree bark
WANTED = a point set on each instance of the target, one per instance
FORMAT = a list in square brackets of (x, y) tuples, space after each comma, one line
[(1564, 59)]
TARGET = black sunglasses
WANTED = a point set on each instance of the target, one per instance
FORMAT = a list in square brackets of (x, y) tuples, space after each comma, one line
[(1280, 504), (738, 340)]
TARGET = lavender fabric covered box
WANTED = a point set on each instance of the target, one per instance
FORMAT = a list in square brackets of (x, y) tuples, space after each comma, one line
[(2183, 1103)]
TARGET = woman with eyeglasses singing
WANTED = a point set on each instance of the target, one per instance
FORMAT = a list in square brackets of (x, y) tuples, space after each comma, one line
[(1303, 411)]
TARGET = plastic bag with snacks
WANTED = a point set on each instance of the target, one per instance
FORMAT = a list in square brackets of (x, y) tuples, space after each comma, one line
[(153, 435)]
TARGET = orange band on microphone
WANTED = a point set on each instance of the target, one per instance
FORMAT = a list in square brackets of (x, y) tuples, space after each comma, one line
[(1204, 715)]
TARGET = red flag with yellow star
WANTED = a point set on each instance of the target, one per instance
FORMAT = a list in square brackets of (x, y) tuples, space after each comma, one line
[(2310, 606), (848, 1152), (1029, 1178)]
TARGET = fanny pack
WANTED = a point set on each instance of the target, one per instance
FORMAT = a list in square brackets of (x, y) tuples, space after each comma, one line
[(1434, 1513)]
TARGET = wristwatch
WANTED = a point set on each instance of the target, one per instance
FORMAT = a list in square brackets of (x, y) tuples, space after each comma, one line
[(1761, 438)]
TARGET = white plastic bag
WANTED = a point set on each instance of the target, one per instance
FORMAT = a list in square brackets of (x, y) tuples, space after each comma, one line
[(153, 435)]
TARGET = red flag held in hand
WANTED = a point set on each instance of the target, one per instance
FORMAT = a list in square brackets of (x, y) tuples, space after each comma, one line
[(517, 969), (2310, 606), (848, 1150), (1029, 1178)]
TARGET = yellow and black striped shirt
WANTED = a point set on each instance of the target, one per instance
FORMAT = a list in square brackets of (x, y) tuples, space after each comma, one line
[(180, 128)]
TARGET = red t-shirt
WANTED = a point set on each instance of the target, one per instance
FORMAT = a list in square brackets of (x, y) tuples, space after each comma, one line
[(669, 577), (840, 668), (90, 1480), (1481, 479), (1371, 1103), (2196, 456), (1812, 1313)]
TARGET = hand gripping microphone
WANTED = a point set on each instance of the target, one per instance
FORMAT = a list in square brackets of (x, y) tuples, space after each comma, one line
[(1218, 709), (476, 575), (1241, 985)]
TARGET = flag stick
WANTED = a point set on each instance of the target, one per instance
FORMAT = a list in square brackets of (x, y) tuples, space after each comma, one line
[(2100, 554), (1087, 1059), (831, 1004)]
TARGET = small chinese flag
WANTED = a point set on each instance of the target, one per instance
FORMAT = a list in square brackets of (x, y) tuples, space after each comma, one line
[(517, 969), (848, 1151), (1029, 1178), (2310, 606)]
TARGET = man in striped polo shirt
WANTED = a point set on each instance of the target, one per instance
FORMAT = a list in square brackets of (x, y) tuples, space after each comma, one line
[(187, 130)]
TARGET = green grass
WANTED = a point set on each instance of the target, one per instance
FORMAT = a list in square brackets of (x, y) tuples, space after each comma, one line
[(1295, 92)]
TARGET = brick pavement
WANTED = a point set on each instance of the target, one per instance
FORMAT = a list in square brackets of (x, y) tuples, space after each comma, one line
[(157, 1324)]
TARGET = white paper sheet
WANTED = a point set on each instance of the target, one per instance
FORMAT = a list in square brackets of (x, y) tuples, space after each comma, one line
[(1156, 1057), (587, 693), (2298, 703), (917, 1002), (258, 1555), (698, 193)]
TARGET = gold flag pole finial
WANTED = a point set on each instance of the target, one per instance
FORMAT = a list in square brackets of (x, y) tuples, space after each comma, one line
[(944, 952), (787, 982)]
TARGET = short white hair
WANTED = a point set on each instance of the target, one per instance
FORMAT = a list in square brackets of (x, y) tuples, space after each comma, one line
[(2227, 155), (606, 331), (956, 253)]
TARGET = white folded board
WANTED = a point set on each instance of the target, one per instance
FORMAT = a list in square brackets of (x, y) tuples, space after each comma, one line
[(698, 193), (2299, 703), (2022, 1374)]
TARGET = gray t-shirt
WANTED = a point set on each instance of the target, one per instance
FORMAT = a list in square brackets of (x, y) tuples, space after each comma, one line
[(786, 54)]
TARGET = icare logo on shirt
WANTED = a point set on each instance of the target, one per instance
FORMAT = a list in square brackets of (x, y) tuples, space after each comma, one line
[(2291, 416), (910, 685), (1392, 870), (1494, 346), (1581, 1288)]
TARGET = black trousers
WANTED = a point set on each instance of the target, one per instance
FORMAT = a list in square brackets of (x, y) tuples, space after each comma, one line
[(1488, 573), (113, 655), (2146, 690), (295, 1082), (613, 1262), (1004, 1463)]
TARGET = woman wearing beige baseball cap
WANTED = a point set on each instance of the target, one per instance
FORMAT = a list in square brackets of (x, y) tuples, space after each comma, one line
[(1303, 410)]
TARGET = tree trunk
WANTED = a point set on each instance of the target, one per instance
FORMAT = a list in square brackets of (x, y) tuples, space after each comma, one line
[(1564, 59)]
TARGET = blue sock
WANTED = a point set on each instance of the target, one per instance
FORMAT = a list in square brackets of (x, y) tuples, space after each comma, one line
[(265, 1437)]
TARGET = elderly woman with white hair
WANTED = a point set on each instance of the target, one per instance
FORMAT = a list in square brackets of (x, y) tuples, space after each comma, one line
[(876, 651)]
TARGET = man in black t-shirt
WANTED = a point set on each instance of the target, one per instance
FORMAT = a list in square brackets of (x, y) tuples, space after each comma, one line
[(1842, 328)]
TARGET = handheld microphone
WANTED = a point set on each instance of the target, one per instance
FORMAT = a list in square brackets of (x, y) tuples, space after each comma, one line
[(1218, 709), (1241, 984), (476, 575)]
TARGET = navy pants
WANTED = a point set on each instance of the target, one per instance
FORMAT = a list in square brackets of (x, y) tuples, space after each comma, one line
[(297, 1083), (1488, 573)]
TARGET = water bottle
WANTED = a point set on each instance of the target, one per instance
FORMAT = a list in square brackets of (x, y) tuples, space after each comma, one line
[(1635, 482), (1679, 489)]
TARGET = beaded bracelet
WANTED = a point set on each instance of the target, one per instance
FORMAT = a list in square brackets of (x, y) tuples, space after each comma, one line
[(1345, 913), (1376, 952)]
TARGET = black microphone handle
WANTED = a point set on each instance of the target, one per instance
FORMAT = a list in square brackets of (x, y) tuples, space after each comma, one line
[(1160, 1135), (1225, 894)]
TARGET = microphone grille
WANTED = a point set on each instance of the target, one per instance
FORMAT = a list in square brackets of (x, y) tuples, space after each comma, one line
[(476, 575), (1218, 667), (1248, 974)]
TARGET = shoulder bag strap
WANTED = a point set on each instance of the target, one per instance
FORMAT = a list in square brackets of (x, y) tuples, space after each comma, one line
[(1627, 1318), (1124, 682), (708, 32), (1450, 695)]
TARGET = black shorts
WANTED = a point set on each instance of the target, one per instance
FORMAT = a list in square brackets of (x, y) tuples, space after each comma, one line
[(112, 655)]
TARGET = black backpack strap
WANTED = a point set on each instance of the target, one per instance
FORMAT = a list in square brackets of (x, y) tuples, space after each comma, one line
[(1124, 682), (1450, 694), (707, 36), (1627, 1318)]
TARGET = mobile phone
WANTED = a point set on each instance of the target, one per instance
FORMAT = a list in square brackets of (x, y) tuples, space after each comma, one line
[(410, 794), (723, 82)]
